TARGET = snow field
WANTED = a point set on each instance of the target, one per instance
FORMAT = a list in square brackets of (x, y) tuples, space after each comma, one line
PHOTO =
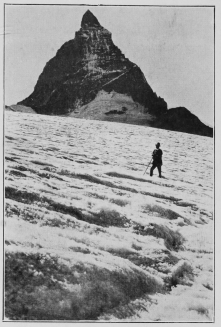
[(89, 236)]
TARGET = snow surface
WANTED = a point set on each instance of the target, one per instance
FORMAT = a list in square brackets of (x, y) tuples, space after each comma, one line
[(106, 105), (89, 236)]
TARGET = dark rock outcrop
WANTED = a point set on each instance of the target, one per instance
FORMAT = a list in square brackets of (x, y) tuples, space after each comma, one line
[(182, 120), (86, 65)]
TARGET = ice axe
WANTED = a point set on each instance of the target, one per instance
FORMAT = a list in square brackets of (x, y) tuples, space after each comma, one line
[(148, 166)]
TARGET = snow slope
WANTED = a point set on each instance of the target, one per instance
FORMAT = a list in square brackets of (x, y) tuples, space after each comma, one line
[(88, 236), (114, 107)]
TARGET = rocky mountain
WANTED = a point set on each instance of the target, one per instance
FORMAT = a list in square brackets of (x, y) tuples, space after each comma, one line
[(182, 120), (90, 77), (83, 67)]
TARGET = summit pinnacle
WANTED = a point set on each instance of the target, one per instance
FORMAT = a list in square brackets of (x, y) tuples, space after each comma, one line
[(89, 20)]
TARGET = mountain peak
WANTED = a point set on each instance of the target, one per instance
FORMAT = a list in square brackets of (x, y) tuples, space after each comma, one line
[(84, 67), (89, 20)]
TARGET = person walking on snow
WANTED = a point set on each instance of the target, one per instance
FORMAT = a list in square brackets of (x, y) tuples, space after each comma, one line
[(157, 160)]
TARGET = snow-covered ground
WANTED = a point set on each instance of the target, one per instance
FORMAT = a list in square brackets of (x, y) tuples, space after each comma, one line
[(89, 236)]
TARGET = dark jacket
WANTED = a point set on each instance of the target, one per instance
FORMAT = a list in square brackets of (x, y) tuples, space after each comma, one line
[(157, 157)]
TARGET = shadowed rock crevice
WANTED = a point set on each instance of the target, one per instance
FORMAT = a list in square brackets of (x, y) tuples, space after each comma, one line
[(116, 112)]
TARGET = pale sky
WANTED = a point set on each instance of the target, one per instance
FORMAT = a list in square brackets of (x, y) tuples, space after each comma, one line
[(173, 46)]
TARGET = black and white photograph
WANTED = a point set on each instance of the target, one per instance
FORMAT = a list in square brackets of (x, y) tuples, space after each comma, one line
[(109, 137)]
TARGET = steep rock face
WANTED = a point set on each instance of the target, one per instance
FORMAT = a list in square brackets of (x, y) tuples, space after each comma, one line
[(83, 67), (182, 120)]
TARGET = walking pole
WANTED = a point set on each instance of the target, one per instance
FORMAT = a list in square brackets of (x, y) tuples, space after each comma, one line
[(148, 166)]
